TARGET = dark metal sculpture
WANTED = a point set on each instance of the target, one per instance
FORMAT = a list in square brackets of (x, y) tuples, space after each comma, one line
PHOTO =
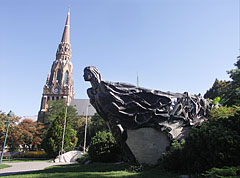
[(125, 106)]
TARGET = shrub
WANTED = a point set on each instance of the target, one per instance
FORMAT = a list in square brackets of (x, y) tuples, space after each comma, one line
[(223, 172), (33, 154), (224, 112), (103, 148), (85, 157), (215, 144)]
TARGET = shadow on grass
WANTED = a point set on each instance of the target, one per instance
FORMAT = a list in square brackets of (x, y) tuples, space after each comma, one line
[(99, 170)]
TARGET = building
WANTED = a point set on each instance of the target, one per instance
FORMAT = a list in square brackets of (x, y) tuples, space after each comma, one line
[(83, 107), (60, 83)]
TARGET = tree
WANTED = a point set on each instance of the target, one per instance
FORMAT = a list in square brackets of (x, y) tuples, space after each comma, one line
[(95, 124), (104, 148), (233, 96), (219, 89), (58, 107), (32, 134), (228, 91), (55, 117), (215, 144), (14, 133)]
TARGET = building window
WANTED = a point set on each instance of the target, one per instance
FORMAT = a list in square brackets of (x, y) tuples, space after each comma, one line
[(53, 98), (48, 98), (57, 98), (66, 77), (59, 76)]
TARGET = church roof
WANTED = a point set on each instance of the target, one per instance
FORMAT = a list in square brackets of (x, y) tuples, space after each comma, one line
[(81, 106), (66, 32)]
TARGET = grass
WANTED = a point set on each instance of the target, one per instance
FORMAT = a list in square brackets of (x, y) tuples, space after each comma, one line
[(95, 170), (2, 166)]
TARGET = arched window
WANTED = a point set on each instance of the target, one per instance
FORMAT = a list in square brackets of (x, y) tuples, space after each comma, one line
[(59, 76), (66, 77)]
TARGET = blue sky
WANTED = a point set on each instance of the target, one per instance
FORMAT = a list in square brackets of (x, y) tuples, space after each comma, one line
[(173, 45)]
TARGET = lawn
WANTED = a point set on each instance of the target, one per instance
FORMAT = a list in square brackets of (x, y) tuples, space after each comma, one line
[(96, 170), (2, 166)]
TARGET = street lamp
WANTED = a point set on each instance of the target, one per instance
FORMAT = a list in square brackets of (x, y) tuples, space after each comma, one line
[(85, 133), (10, 114), (64, 128)]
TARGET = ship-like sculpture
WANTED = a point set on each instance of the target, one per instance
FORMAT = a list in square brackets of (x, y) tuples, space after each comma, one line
[(144, 122)]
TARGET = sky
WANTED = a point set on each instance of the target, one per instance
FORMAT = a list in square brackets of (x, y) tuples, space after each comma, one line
[(172, 45)]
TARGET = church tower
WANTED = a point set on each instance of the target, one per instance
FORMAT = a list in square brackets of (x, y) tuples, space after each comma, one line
[(60, 84)]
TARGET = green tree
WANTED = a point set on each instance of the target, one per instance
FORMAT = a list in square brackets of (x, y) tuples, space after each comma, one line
[(215, 144), (233, 95), (219, 89), (95, 124), (53, 139), (58, 107), (228, 91), (104, 148)]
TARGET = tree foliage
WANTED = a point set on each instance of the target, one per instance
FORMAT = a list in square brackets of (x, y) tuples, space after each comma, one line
[(58, 107), (95, 124), (14, 132), (32, 134), (215, 144), (228, 91), (103, 148), (53, 140)]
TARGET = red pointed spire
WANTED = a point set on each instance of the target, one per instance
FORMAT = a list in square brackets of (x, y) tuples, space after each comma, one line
[(66, 32)]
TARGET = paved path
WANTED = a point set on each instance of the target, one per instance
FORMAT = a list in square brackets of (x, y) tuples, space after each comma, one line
[(23, 167)]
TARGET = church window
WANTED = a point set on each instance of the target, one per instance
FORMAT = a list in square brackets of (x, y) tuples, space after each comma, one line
[(66, 77), (53, 98), (57, 98), (59, 76), (48, 98)]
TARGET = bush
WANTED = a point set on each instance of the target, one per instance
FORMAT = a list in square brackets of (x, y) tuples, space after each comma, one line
[(103, 148), (223, 172), (215, 144), (32, 154), (224, 112), (85, 157)]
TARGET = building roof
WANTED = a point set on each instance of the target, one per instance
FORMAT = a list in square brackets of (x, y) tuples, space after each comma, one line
[(81, 106), (33, 118)]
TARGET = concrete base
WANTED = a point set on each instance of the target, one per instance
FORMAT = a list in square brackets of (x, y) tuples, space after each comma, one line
[(68, 157), (147, 144)]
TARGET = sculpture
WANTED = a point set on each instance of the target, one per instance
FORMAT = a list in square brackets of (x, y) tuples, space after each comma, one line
[(127, 107)]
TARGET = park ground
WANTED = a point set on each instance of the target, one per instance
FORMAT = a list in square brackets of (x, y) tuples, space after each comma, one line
[(94, 170)]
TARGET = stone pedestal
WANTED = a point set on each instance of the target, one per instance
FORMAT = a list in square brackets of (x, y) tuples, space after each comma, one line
[(147, 144)]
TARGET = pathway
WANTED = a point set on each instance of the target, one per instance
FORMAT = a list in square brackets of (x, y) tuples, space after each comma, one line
[(23, 167)]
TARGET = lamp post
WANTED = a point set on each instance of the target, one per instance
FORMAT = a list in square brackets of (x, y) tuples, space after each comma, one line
[(85, 133), (10, 114), (64, 128)]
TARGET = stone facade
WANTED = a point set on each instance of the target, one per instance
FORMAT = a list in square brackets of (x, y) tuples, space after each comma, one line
[(60, 84)]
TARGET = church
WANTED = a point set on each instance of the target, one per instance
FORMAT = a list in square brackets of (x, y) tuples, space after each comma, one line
[(59, 84)]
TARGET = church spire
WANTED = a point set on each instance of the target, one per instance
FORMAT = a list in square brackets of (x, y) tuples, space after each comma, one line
[(66, 32), (60, 83), (64, 48)]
